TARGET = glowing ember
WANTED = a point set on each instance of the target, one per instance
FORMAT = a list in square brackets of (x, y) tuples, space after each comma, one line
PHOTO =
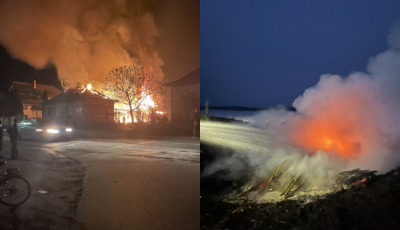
[(363, 180)]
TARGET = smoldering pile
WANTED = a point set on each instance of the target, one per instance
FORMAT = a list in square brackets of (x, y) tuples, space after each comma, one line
[(240, 180), (239, 199), (282, 185), (370, 203)]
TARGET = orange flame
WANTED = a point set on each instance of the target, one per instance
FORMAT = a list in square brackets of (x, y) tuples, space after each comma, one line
[(331, 136), (147, 102), (338, 118)]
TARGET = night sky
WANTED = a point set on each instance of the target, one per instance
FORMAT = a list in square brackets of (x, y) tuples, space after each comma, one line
[(266, 53), (178, 45)]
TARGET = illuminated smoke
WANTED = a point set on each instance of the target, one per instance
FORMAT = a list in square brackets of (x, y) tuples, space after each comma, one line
[(357, 117), (341, 123), (83, 39)]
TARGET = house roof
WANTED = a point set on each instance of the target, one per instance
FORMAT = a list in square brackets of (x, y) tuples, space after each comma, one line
[(30, 95), (77, 94), (190, 78), (51, 90)]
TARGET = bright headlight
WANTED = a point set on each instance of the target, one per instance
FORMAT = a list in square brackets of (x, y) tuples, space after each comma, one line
[(68, 129), (39, 130), (53, 131)]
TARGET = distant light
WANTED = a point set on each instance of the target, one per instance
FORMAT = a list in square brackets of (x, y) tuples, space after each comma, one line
[(39, 130), (53, 131), (68, 129)]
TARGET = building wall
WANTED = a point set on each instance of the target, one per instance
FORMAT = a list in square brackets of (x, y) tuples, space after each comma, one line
[(100, 112), (185, 98), (32, 114), (79, 112), (65, 112)]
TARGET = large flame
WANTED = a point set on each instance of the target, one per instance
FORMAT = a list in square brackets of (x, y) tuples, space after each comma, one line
[(123, 110), (147, 102), (337, 116)]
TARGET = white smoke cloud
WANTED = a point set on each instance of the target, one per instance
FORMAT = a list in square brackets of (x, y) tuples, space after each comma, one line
[(342, 123)]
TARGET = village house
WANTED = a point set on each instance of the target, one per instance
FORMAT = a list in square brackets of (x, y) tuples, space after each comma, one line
[(79, 105), (185, 96), (31, 95)]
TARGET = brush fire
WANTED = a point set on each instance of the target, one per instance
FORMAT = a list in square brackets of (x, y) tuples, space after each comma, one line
[(339, 149)]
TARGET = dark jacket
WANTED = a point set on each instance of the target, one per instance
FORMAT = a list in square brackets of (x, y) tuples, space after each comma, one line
[(13, 132), (1, 132)]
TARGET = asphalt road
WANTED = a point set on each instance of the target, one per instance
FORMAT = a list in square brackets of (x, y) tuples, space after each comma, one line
[(135, 184)]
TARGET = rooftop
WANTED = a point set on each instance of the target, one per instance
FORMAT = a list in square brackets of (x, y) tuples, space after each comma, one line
[(190, 78), (78, 94), (30, 95)]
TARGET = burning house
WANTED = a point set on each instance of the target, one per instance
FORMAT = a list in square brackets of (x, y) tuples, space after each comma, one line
[(79, 105), (144, 111), (31, 95), (185, 95)]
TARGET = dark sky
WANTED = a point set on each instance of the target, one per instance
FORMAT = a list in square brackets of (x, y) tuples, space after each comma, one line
[(178, 45), (265, 53)]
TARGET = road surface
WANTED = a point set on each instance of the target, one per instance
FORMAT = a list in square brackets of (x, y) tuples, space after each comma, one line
[(131, 184)]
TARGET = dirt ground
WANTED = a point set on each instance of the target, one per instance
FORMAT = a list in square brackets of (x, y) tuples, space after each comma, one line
[(57, 187)]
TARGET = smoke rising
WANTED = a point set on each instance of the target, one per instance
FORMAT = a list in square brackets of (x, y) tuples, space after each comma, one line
[(342, 123), (83, 39)]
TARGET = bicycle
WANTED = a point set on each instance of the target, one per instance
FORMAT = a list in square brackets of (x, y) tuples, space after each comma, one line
[(14, 188)]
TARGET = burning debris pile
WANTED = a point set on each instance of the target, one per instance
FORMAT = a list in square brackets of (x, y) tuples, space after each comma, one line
[(282, 185), (279, 184), (355, 199)]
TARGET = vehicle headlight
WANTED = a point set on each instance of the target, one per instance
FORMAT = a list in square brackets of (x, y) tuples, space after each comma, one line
[(68, 129), (39, 130), (53, 131)]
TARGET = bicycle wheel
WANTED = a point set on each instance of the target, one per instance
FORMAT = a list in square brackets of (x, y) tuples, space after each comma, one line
[(14, 190)]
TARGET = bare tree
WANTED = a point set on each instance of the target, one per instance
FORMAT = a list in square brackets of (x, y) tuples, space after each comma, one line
[(132, 86)]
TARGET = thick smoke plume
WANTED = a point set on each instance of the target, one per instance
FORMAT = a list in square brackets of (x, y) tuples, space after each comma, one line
[(341, 123), (83, 39), (357, 117)]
